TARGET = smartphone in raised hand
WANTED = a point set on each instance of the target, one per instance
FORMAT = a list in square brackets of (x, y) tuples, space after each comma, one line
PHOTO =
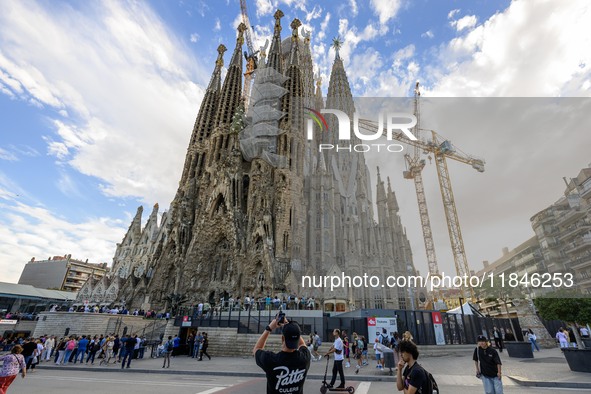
[(280, 317)]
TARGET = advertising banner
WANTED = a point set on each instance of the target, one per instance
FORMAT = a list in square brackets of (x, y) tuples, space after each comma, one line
[(438, 327), (377, 325)]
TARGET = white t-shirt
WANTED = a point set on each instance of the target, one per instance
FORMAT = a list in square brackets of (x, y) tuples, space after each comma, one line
[(338, 345), (377, 349)]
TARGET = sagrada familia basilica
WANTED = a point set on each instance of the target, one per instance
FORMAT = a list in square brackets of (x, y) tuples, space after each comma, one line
[(258, 206)]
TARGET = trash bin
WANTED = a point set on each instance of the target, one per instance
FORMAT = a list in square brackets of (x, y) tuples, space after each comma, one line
[(388, 355)]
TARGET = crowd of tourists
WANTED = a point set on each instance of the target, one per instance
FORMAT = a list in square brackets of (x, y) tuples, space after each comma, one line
[(77, 349)]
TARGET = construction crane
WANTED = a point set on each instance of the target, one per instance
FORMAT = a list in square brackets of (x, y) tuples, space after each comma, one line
[(442, 150), (415, 165), (250, 56)]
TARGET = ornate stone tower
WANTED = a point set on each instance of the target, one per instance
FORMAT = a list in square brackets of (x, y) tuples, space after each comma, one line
[(257, 205)]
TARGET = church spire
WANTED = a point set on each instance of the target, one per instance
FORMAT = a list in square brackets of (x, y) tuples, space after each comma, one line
[(392, 201), (232, 89), (204, 122), (294, 52), (135, 229), (339, 91), (274, 59), (337, 43), (381, 191)]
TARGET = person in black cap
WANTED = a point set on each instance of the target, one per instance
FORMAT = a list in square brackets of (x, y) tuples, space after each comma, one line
[(286, 370), (488, 366)]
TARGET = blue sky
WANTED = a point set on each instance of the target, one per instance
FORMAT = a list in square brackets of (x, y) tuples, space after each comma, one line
[(97, 99)]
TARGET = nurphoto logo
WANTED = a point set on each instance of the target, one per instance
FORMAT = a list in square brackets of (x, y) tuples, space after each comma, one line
[(397, 128)]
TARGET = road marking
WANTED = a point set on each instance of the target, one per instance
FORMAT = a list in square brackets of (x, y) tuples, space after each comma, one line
[(135, 382), (213, 390), (363, 388)]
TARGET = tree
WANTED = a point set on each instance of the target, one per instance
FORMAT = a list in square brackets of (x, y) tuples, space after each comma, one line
[(567, 306)]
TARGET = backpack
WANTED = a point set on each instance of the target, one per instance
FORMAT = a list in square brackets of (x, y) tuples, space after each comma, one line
[(169, 346), (432, 387), (385, 340), (318, 341)]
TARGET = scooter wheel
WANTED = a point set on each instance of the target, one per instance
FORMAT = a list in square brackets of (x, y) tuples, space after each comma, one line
[(323, 389), (350, 389)]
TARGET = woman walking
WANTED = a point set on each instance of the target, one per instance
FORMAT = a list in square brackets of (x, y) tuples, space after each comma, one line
[(11, 364), (532, 338), (204, 346)]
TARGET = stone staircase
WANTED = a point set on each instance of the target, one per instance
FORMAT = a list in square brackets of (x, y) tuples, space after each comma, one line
[(228, 343), (57, 323)]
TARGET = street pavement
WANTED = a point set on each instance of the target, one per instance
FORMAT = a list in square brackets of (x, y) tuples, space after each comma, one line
[(454, 373), (83, 381)]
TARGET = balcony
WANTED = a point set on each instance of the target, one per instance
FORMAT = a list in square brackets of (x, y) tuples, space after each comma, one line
[(586, 190), (579, 244), (570, 216), (575, 229), (580, 263), (583, 285)]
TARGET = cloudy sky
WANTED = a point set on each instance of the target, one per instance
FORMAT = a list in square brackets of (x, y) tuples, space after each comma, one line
[(98, 99)]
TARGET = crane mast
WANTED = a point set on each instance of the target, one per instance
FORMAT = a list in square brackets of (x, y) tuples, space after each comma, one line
[(442, 150), (451, 213), (415, 167)]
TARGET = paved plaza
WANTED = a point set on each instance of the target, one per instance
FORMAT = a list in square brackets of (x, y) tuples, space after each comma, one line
[(241, 375)]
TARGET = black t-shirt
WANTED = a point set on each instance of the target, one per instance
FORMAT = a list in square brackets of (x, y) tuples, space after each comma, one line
[(489, 359), (286, 372), (130, 344), (415, 376), (28, 349)]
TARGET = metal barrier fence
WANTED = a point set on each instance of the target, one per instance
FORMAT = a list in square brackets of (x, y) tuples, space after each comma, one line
[(457, 328), (246, 322)]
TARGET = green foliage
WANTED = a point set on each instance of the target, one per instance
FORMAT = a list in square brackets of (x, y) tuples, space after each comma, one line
[(567, 307)]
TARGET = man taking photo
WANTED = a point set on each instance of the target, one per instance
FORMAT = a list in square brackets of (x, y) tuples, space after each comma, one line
[(286, 371)]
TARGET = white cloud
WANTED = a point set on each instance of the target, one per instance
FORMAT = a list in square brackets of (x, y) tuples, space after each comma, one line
[(218, 25), (32, 231), (395, 80), (194, 37), (453, 13), (263, 7), (6, 155), (428, 34), (323, 27), (67, 185), (314, 14), (526, 50), (352, 36), (124, 124), (466, 22), (385, 9), (354, 10)]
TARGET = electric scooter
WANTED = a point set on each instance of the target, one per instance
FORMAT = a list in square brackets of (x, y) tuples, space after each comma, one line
[(324, 389)]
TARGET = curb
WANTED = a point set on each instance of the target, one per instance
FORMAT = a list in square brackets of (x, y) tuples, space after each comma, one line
[(538, 383), (385, 378)]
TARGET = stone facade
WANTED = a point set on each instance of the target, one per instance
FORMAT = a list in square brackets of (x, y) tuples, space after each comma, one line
[(255, 223)]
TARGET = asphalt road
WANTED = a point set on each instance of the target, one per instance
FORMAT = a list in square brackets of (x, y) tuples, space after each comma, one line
[(75, 382)]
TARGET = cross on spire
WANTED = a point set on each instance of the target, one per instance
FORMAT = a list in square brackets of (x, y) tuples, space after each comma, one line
[(337, 43)]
